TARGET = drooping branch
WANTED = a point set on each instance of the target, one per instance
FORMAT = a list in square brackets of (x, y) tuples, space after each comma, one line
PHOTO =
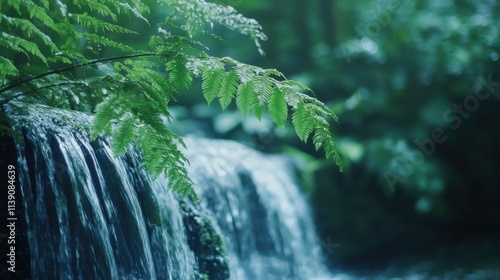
[(74, 66), (8, 99)]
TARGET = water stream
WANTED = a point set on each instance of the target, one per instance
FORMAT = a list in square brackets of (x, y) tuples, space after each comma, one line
[(91, 215)]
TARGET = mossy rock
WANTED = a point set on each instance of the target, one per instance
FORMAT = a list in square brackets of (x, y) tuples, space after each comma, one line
[(206, 243)]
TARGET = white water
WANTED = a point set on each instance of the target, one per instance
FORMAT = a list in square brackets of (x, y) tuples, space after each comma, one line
[(255, 202), (94, 216)]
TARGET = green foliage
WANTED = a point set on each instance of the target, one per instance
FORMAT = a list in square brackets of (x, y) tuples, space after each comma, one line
[(129, 94), (245, 97), (197, 15), (228, 88), (179, 75), (212, 82), (278, 107)]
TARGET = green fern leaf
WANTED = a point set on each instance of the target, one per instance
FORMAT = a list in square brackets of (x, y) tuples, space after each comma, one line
[(124, 135), (160, 151), (105, 113), (323, 138), (258, 110), (199, 14), (138, 10), (155, 97), (29, 28), (102, 9), (317, 106), (264, 89), (278, 107), (294, 84), (106, 42), (131, 103), (179, 74), (16, 4), (212, 81), (269, 72), (245, 97), (303, 120), (96, 24), (245, 73), (157, 88), (39, 13), (228, 89), (18, 44), (7, 68)]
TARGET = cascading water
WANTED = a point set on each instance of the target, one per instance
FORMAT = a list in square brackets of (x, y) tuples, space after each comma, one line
[(91, 215), (255, 203)]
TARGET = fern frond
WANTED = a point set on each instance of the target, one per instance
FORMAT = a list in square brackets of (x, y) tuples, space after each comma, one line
[(16, 4), (156, 97), (273, 72), (7, 68), (278, 107), (303, 120), (137, 11), (106, 42), (131, 102), (228, 89), (105, 113), (124, 134), (179, 74), (161, 154), (145, 86), (45, 3), (96, 24), (102, 9), (318, 106), (29, 28), (264, 89), (212, 81), (290, 94), (294, 84), (199, 14), (157, 82), (308, 117), (323, 139), (245, 73), (39, 13), (258, 110), (18, 44), (245, 97)]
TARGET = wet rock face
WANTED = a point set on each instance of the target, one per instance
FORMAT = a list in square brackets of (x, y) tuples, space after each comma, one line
[(22, 253), (92, 215), (206, 243)]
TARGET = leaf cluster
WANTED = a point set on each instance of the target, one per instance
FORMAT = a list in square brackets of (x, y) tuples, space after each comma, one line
[(129, 95)]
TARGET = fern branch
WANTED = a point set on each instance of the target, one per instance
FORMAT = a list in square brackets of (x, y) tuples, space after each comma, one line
[(64, 69), (7, 100)]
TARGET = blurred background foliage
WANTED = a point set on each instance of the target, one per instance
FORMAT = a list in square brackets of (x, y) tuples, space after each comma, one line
[(414, 84)]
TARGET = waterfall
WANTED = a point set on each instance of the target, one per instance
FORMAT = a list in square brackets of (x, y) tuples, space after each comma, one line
[(256, 204), (92, 215)]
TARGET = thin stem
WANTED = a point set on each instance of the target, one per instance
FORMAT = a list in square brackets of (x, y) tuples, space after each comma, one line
[(57, 71), (6, 100)]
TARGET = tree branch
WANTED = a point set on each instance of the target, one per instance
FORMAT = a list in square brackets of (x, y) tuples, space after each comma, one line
[(8, 99), (60, 70)]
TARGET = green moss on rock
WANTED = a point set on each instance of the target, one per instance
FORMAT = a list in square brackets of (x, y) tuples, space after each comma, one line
[(206, 243)]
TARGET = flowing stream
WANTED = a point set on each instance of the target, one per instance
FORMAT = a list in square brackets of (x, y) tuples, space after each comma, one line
[(91, 215)]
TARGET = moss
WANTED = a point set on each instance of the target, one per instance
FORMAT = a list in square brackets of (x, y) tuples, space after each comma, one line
[(206, 243)]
